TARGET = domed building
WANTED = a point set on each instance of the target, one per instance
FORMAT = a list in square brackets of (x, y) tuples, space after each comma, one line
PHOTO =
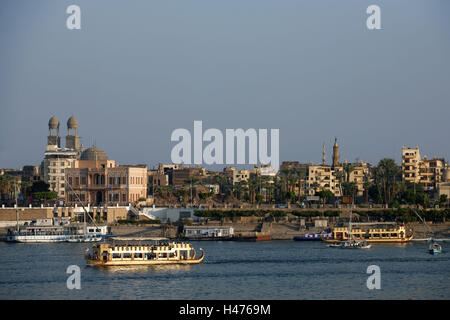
[(94, 154), (96, 180)]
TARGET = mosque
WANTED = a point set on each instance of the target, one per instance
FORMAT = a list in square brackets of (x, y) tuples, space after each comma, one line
[(88, 176)]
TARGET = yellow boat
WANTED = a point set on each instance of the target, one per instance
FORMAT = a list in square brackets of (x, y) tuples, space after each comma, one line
[(105, 254), (376, 235)]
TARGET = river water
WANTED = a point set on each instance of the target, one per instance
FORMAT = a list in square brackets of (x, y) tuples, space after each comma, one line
[(231, 270)]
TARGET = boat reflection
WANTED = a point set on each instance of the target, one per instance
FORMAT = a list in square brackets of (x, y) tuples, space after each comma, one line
[(143, 268)]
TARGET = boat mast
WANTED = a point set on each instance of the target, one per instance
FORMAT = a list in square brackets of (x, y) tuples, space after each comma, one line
[(350, 222), (84, 209), (17, 209), (424, 224)]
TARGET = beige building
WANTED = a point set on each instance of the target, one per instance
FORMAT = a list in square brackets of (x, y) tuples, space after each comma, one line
[(326, 177), (237, 175), (444, 186), (428, 172), (323, 177), (96, 180), (58, 159), (360, 174)]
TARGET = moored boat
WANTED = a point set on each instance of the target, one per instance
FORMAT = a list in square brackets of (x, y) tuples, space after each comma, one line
[(57, 233), (158, 252), (351, 244), (375, 235), (314, 236)]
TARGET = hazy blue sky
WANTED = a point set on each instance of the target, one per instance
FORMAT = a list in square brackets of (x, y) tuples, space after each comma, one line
[(137, 70)]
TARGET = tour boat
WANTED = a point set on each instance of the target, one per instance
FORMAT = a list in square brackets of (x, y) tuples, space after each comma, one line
[(159, 252), (54, 233), (374, 235)]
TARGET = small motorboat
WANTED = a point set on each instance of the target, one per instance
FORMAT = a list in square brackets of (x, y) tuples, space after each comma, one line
[(351, 244), (435, 248)]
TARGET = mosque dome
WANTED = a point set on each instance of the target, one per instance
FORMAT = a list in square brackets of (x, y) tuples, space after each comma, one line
[(95, 154), (72, 123), (53, 123)]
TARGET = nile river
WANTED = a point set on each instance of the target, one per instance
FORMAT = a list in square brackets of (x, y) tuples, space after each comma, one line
[(231, 270)]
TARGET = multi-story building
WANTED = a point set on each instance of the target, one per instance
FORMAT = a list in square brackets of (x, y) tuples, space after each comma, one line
[(181, 176), (360, 174), (428, 172), (410, 164), (237, 175), (312, 178), (323, 177), (444, 186), (156, 178), (30, 173), (58, 159), (96, 180)]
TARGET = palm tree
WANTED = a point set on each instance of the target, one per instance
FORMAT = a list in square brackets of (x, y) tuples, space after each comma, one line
[(387, 174), (301, 174), (348, 169), (315, 186), (340, 177)]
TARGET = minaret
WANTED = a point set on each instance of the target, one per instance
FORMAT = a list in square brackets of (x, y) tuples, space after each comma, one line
[(53, 138), (335, 153), (72, 138), (324, 159)]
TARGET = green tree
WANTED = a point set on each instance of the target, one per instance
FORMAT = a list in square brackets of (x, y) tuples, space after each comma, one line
[(387, 174), (325, 195)]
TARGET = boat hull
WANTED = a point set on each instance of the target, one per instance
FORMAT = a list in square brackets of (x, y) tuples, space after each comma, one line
[(52, 238), (403, 240)]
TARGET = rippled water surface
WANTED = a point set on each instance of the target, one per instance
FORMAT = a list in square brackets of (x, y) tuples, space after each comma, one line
[(231, 270)]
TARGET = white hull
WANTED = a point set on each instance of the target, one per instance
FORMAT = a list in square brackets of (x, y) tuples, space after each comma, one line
[(52, 238)]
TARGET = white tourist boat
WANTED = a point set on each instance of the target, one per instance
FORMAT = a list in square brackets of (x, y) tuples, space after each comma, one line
[(56, 232)]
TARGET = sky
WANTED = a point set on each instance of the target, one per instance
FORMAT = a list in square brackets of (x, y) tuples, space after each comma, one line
[(137, 70)]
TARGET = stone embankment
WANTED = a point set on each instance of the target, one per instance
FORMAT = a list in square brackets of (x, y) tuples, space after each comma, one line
[(277, 230)]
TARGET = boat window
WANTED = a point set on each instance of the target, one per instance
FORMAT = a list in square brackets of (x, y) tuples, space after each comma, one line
[(127, 255), (138, 255), (116, 256)]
